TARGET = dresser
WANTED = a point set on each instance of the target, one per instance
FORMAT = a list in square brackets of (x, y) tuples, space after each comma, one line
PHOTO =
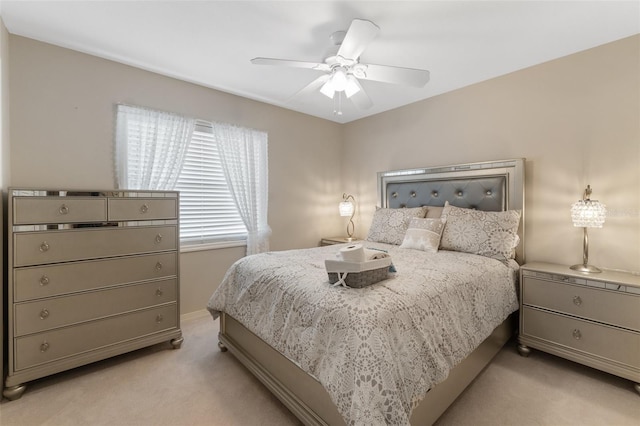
[(593, 319), (91, 274)]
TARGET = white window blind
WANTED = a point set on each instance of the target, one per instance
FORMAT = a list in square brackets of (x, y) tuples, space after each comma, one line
[(208, 213)]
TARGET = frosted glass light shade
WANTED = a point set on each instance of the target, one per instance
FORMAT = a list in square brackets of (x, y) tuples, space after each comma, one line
[(339, 79), (346, 208), (588, 214), (327, 89), (352, 86)]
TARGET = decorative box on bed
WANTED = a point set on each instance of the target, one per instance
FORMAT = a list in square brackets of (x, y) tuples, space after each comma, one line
[(358, 274), (302, 384)]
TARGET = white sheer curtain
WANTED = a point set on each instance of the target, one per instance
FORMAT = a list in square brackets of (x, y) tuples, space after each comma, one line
[(150, 147), (243, 153)]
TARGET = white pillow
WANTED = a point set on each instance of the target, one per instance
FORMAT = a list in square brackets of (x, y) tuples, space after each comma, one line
[(490, 234), (423, 234), (390, 225)]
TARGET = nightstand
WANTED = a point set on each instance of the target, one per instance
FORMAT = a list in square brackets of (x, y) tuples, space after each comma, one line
[(593, 319), (335, 240)]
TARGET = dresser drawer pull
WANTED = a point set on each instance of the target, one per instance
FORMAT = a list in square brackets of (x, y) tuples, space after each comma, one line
[(158, 266), (158, 238), (44, 314), (577, 300), (159, 292), (576, 334), (63, 209), (44, 246), (159, 318), (44, 347), (44, 280), (144, 208)]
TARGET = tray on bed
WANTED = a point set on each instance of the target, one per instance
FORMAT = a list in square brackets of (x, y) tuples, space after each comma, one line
[(358, 274)]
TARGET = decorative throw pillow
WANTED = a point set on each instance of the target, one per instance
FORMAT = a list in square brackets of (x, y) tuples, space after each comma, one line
[(423, 234), (390, 225), (490, 234), (434, 212)]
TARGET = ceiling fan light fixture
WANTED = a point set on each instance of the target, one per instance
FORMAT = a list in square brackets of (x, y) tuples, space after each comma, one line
[(327, 89), (339, 79), (352, 86)]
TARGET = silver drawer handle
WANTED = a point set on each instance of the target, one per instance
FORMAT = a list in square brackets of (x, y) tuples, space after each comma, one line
[(159, 292), (158, 238), (44, 314), (44, 246), (144, 208), (63, 209), (576, 334), (577, 300), (44, 280), (44, 347), (159, 318), (158, 266)]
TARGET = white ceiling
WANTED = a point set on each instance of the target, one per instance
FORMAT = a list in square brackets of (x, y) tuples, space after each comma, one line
[(211, 42)]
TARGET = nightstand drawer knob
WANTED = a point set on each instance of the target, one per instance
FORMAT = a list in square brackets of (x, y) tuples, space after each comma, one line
[(44, 347), (44, 314), (159, 292), (44, 247), (44, 280), (63, 209), (144, 208), (159, 318), (158, 238), (576, 334), (577, 300)]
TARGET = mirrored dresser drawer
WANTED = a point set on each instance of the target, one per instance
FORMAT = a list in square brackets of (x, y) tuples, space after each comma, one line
[(40, 210), (43, 247), (142, 208)]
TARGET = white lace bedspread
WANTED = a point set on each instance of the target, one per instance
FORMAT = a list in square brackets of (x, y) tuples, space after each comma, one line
[(376, 350)]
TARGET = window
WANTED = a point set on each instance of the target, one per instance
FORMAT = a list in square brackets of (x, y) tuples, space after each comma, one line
[(220, 170), (208, 213)]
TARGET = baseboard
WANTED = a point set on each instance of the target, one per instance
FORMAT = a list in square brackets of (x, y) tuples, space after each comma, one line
[(194, 315)]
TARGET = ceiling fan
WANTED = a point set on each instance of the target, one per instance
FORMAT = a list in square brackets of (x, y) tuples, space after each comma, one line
[(342, 68)]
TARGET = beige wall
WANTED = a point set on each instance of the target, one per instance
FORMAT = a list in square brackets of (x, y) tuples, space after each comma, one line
[(62, 105), (4, 170), (575, 119), (4, 106)]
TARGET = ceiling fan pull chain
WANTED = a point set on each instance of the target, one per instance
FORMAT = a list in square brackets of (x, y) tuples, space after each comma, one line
[(337, 99)]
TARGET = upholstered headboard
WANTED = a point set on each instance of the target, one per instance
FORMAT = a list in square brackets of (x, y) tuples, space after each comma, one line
[(489, 186)]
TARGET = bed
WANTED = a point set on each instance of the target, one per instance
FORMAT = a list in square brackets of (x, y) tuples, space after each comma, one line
[(399, 351)]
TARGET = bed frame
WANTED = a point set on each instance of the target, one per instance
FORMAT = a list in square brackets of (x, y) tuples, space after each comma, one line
[(491, 186)]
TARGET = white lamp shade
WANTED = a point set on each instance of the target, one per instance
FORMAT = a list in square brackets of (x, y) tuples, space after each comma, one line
[(327, 89), (346, 208), (339, 79), (588, 214), (352, 86)]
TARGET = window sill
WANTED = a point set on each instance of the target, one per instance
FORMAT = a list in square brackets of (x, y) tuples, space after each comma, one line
[(212, 246)]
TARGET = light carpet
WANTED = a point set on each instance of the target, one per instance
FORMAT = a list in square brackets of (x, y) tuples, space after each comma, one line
[(199, 385)]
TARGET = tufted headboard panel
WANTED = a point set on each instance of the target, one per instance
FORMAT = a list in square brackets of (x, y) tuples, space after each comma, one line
[(483, 193), (488, 186)]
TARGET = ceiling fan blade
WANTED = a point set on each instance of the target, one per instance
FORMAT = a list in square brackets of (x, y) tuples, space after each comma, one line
[(294, 64), (358, 37), (395, 75), (314, 86), (360, 99)]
